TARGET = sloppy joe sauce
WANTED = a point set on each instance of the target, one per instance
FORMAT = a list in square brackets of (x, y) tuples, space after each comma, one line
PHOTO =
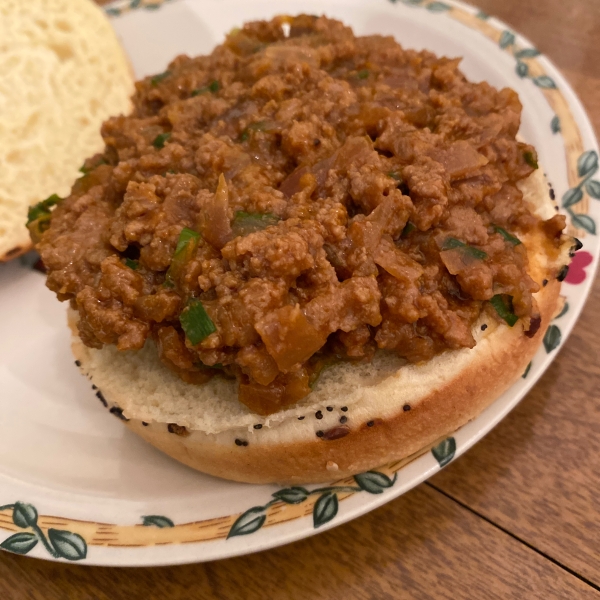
[(348, 194)]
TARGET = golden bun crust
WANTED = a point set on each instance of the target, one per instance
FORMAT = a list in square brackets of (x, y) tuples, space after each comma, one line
[(356, 419)]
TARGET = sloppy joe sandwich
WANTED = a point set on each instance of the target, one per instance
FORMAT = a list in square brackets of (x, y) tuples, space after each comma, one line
[(306, 254)]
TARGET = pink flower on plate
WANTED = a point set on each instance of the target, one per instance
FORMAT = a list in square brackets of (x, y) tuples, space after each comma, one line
[(577, 267)]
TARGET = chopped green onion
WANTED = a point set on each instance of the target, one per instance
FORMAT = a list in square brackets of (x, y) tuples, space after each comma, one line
[(186, 236), (160, 139), (507, 236), (363, 74), (401, 183), (257, 126), (453, 243), (87, 170), (245, 223), (186, 246), (212, 87), (43, 225), (407, 229), (476, 253), (196, 323), (318, 368), (530, 159), (42, 209), (132, 264), (158, 78), (504, 309)]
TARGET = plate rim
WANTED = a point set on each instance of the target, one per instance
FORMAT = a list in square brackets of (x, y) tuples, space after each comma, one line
[(22, 518)]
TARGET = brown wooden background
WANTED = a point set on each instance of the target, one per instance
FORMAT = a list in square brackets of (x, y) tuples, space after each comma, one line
[(516, 517)]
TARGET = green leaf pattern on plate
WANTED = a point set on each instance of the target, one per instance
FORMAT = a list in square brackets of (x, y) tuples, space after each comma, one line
[(545, 82), (572, 196), (437, 6), (325, 508), (249, 522), (293, 495), (587, 164), (552, 338), (157, 521), (526, 372), (57, 542), (125, 7), (553, 335), (67, 544), (508, 42), (555, 124), (24, 515), (564, 311), (373, 482), (527, 53), (587, 167), (584, 222), (434, 7), (522, 69), (507, 38), (593, 189), (20, 543), (444, 451)]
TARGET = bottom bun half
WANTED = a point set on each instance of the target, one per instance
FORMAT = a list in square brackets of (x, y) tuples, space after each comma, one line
[(357, 418)]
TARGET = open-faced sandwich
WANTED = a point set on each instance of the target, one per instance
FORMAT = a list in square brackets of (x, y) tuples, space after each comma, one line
[(306, 254)]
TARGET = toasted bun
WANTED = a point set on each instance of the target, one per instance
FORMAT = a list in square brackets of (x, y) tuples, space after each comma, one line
[(391, 410), (63, 73)]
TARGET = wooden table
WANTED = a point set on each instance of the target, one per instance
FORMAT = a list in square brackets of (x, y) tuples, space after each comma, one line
[(516, 517)]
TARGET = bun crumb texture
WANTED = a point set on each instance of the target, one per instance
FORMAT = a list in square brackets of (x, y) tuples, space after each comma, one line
[(63, 73)]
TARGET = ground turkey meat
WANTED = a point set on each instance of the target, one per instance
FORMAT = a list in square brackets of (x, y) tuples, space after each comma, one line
[(299, 196)]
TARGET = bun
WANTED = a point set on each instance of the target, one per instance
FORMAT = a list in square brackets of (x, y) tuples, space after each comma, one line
[(63, 73), (357, 417)]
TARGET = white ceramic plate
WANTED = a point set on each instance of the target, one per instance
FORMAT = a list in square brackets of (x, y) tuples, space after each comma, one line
[(76, 485)]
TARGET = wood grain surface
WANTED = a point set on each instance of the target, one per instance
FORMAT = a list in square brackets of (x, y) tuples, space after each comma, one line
[(516, 517), (421, 546), (537, 473)]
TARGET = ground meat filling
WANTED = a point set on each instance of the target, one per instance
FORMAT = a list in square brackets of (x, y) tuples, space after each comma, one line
[(299, 196)]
